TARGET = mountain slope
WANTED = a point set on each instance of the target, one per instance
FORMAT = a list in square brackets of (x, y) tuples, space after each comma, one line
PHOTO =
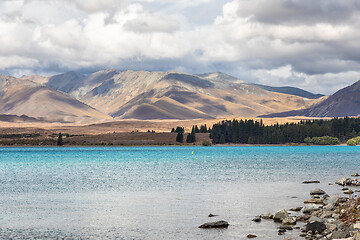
[(345, 102), (289, 90), (24, 97), (218, 76), (172, 95)]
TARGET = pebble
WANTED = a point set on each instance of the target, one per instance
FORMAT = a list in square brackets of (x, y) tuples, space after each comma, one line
[(251, 236)]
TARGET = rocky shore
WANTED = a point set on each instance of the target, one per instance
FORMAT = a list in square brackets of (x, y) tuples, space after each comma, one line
[(322, 216)]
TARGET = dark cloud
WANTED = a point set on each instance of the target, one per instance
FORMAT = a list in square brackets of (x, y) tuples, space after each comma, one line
[(300, 11)]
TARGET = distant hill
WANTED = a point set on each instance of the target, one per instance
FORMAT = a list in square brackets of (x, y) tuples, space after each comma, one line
[(16, 118), (289, 90), (345, 102), (25, 97)]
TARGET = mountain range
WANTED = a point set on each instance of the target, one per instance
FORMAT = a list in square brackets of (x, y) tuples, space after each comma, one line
[(110, 94), (345, 102)]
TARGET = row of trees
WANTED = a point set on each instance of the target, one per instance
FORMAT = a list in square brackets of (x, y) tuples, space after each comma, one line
[(255, 132), (196, 129), (190, 138)]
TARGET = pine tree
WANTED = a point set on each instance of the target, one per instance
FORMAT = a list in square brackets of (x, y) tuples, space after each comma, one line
[(60, 141), (197, 129), (191, 137), (179, 137)]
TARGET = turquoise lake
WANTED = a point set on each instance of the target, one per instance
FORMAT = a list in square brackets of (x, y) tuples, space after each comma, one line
[(159, 192)]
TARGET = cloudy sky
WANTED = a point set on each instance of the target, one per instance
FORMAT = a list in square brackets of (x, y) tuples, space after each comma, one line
[(310, 44)]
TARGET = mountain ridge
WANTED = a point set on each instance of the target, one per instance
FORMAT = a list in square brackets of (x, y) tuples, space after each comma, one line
[(345, 102), (148, 95)]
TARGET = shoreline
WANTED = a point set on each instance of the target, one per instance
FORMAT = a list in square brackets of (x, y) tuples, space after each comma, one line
[(321, 216), (172, 145)]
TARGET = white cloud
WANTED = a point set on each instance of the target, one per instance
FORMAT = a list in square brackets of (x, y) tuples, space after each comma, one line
[(273, 42)]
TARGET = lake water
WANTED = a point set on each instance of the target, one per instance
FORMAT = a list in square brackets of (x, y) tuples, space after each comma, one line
[(159, 192)]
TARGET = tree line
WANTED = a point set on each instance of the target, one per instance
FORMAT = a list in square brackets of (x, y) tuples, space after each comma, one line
[(255, 132), (191, 137)]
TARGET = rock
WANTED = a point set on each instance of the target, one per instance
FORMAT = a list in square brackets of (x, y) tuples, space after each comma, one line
[(345, 188), (325, 196), (331, 227), (316, 219), (257, 219), (314, 201), (280, 215), (296, 209), (218, 224), (286, 227), (340, 234), (267, 216), (331, 202), (316, 213), (355, 174), (317, 191), (355, 182), (327, 215), (212, 215), (316, 196), (309, 208), (308, 182), (357, 236), (356, 225), (289, 221), (303, 218), (251, 236), (315, 227), (344, 181), (348, 191)]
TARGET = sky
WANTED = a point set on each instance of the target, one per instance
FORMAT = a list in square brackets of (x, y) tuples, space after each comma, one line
[(314, 45)]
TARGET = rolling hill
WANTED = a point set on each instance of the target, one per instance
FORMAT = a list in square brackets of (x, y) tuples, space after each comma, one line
[(25, 97)]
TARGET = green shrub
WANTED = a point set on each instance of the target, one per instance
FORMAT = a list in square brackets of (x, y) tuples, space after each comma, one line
[(206, 143), (307, 140), (324, 140), (354, 141)]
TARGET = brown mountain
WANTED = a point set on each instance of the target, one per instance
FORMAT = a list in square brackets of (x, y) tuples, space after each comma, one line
[(25, 97), (172, 95), (345, 102)]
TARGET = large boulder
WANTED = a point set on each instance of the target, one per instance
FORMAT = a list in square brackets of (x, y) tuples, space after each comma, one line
[(315, 226), (280, 215), (218, 224), (317, 191)]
